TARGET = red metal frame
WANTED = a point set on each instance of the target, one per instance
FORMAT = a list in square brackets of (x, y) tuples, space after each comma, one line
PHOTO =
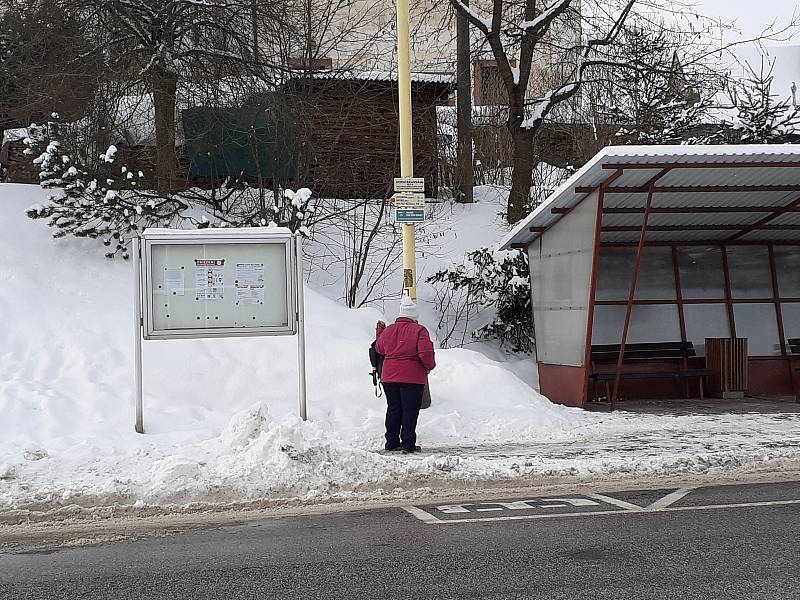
[(702, 242), (762, 223), (696, 165), (632, 292), (777, 298), (681, 319), (680, 189), (737, 228), (728, 295), (682, 210), (678, 293), (696, 300), (680, 301), (587, 356)]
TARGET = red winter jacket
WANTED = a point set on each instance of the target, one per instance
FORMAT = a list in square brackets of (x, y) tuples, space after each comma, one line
[(408, 352)]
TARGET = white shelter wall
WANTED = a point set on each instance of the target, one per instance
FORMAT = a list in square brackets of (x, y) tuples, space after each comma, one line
[(561, 269)]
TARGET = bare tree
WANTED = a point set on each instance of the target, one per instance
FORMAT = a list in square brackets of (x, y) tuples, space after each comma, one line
[(161, 44), (518, 32), (43, 66), (666, 97), (545, 52)]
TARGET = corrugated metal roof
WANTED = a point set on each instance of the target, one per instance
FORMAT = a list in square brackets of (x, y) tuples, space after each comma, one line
[(689, 168), (443, 78)]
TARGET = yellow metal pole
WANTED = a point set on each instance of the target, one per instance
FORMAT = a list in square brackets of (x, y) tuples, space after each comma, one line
[(406, 146)]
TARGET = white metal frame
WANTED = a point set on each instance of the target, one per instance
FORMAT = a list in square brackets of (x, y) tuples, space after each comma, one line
[(143, 323), (150, 332)]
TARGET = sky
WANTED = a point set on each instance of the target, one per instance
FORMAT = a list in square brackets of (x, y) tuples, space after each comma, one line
[(752, 16)]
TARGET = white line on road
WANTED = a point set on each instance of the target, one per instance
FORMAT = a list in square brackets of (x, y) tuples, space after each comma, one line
[(670, 499), (422, 515), (428, 518), (615, 502)]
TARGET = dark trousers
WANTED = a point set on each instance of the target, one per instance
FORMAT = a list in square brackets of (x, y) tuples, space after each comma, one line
[(403, 401)]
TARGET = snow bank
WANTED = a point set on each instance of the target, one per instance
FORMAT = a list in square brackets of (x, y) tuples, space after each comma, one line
[(219, 414)]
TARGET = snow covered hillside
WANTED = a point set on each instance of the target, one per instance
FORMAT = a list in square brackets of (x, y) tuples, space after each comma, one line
[(220, 415)]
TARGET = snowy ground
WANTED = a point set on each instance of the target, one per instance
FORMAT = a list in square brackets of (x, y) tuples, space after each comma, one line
[(221, 417)]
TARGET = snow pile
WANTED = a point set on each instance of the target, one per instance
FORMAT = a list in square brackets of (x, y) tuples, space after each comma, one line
[(219, 414)]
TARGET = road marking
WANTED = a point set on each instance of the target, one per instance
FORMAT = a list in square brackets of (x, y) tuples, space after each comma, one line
[(450, 509), (670, 499), (521, 505), (429, 518), (574, 501), (422, 515), (615, 502)]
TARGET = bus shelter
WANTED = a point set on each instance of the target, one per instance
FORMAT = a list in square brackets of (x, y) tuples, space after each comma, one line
[(663, 247)]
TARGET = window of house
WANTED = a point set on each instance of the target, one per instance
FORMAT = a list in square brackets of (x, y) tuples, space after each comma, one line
[(489, 88), (315, 64)]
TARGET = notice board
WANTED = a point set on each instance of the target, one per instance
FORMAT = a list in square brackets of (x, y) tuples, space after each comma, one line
[(218, 283)]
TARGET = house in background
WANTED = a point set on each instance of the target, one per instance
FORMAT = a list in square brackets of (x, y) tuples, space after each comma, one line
[(348, 131)]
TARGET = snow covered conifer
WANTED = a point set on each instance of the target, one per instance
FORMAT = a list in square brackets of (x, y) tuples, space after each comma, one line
[(93, 205), (763, 118), (487, 279)]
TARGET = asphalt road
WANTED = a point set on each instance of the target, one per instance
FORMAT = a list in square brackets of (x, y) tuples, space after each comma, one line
[(729, 542)]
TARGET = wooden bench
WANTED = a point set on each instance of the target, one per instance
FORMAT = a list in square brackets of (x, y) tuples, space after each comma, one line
[(794, 348), (658, 352)]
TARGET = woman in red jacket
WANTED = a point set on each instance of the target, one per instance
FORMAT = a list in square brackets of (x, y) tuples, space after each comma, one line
[(408, 358)]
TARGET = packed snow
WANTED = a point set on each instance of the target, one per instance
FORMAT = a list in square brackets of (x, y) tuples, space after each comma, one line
[(221, 415)]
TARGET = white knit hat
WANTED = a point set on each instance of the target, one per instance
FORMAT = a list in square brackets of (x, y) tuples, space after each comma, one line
[(408, 309)]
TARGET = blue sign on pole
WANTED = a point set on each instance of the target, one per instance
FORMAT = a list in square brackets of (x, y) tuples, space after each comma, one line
[(409, 215)]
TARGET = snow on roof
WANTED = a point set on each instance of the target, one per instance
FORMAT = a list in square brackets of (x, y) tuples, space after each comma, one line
[(135, 123), (443, 78), (13, 135), (772, 172), (217, 232)]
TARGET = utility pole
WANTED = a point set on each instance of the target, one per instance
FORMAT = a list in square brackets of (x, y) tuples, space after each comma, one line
[(464, 109), (406, 147)]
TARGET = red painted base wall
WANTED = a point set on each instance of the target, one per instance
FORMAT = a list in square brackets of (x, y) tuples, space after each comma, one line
[(562, 384), (770, 376)]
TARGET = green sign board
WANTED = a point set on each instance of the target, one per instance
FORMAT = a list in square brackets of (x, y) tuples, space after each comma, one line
[(250, 142), (409, 215)]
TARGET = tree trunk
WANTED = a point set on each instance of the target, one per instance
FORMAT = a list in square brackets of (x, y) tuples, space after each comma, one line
[(464, 111), (164, 90), (522, 174)]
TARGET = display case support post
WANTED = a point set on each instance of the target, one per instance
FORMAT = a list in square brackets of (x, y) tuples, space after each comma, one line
[(137, 336), (301, 326)]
